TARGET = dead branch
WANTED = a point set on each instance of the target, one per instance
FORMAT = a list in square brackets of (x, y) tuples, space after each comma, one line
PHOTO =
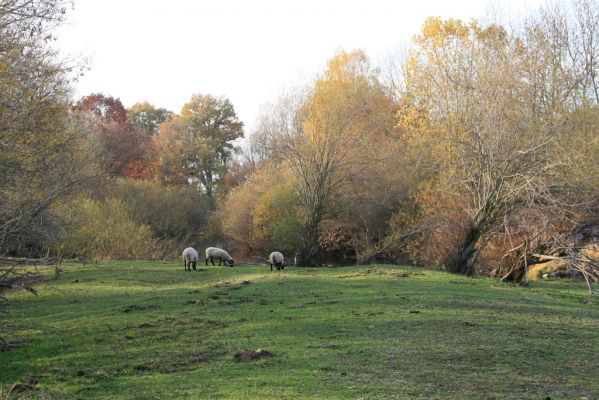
[(29, 261), (399, 240)]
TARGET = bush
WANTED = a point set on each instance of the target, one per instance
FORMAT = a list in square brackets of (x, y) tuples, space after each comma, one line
[(236, 212), (174, 213), (338, 239), (276, 224), (102, 229)]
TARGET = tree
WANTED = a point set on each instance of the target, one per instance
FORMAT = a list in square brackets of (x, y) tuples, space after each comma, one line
[(327, 137), (126, 149), (44, 152), (494, 105), (198, 144), (146, 118)]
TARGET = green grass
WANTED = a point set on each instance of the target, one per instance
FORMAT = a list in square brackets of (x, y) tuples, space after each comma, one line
[(148, 330)]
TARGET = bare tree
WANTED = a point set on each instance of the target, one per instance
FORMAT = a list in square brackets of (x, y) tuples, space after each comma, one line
[(496, 105)]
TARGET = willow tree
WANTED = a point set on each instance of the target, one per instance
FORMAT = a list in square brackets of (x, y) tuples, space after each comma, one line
[(326, 132), (495, 104)]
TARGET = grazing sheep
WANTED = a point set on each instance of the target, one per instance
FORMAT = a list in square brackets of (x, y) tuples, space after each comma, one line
[(190, 258), (277, 260), (223, 256)]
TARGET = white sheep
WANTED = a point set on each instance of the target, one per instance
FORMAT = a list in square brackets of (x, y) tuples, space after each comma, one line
[(277, 259), (223, 256), (190, 258)]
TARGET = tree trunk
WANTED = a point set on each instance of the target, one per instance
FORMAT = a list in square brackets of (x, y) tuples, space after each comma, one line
[(466, 254), (206, 179), (308, 245)]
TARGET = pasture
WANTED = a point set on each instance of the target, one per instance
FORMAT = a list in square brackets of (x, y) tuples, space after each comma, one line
[(150, 330)]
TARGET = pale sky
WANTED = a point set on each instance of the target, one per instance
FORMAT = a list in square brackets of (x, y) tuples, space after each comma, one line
[(249, 51)]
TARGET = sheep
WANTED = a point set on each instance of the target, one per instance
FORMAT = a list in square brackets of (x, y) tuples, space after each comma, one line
[(223, 256), (277, 260), (190, 258)]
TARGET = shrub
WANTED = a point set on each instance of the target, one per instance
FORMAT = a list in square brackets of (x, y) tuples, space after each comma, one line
[(174, 213), (102, 229), (236, 212), (276, 224)]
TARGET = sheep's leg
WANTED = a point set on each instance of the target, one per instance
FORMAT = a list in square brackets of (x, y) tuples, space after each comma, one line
[(212, 260), (193, 264), (185, 265), (220, 260), (206, 262), (271, 267)]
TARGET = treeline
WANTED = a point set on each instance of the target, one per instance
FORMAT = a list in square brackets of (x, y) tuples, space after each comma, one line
[(475, 152)]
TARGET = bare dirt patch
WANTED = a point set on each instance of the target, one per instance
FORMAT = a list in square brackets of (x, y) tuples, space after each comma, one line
[(135, 307), (201, 358), (249, 355)]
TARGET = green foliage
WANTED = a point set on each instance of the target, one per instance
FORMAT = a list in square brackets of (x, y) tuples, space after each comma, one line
[(147, 118), (150, 330), (102, 229), (277, 220), (198, 145)]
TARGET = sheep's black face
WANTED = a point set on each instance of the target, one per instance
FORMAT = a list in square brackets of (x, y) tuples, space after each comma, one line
[(231, 262)]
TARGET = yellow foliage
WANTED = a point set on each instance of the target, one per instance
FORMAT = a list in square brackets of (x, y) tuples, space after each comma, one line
[(236, 213), (276, 218), (412, 119), (332, 104), (103, 230), (438, 32)]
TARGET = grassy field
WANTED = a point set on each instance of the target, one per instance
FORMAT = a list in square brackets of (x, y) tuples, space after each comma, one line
[(153, 331)]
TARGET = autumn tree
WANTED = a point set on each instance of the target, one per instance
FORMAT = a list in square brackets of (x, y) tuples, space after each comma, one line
[(44, 152), (327, 137), (147, 118), (198, 145), (490, 106), (236, 211), (126, 149)]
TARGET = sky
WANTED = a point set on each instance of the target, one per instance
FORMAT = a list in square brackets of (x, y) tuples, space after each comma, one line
[(248, 51)]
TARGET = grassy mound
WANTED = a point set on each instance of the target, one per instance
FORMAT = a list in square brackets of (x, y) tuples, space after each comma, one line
[(153, 331)]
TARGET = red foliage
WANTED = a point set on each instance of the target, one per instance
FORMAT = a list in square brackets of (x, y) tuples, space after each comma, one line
[(107, 108), (338, 238), (128, 150), (141, 170)]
